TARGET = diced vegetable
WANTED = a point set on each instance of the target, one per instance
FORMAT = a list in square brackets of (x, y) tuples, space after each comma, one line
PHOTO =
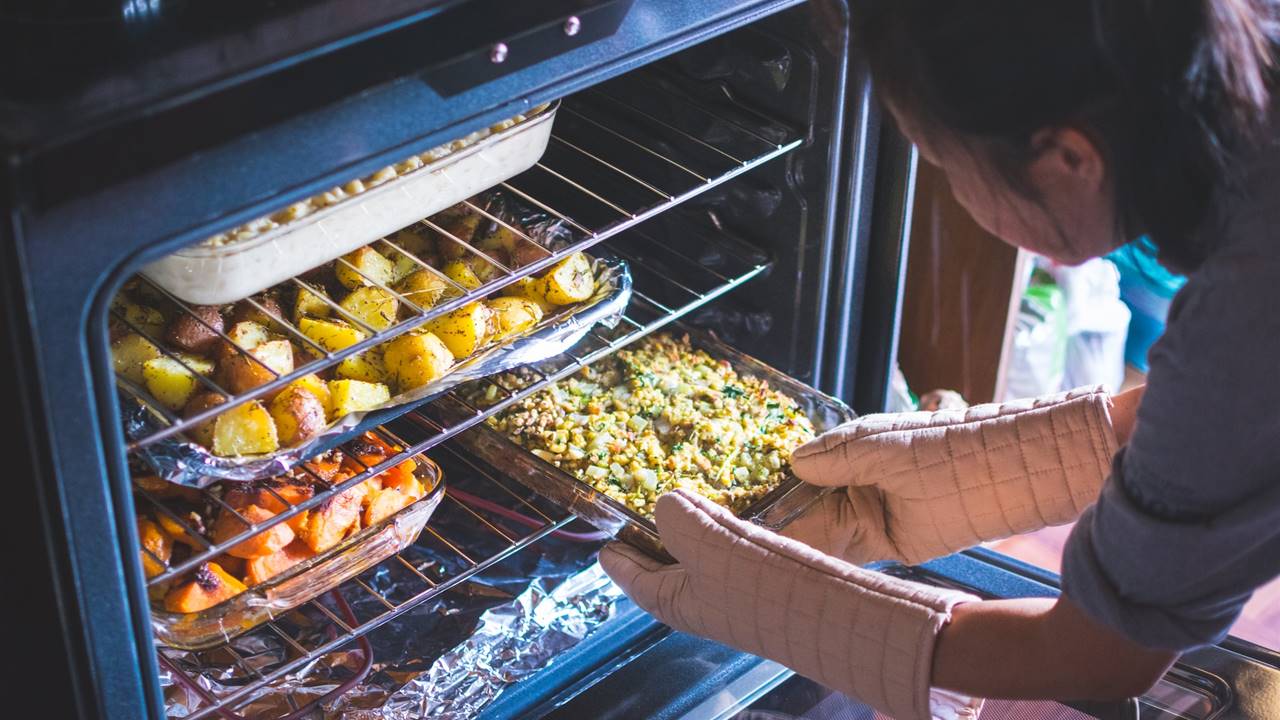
[(261, 569), (332, 335), (196, 331), (298, 414), (267, 542), (169, 382), (314, 385), (210, 586), (367, 366), (464, 330), (568, 281), (356, 395), (309, 304), (130, 353), (513, 315), (385, 503), (245, 430), (157, 547), (460, 272), (423, 288), (201, 401), (364, 266), (262, 364), (246, 335), (373, 306), (326, 526), (417, 359)]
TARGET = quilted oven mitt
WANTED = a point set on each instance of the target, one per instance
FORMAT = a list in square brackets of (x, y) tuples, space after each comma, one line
[(853, 630), (924, 484)]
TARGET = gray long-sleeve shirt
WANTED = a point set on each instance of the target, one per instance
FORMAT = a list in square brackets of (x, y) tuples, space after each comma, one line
[(1188, 525)]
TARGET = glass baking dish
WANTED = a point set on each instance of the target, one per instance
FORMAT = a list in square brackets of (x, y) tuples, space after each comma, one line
[(214, 274), (779, 506), (306, 580)]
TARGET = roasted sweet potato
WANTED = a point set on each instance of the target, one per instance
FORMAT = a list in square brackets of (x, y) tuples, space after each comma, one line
[(177, 533), (264, 543), (158, 488), (383, 504), (209, 585), (327, 524), (400, 475), (298, 414), (273, 494), (326, 466), (197, 331), (264, 568), (157, 547)]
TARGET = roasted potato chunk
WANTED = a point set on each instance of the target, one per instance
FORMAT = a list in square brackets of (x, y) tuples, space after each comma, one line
[(356, 395), (202, 433), (367, 366), (464, 330), (298, 414), (245, 430), (130, 353), (513, 315), (567, 282), (373, 306), (147, 319), (461, 272), (364, 266), (416, 359), (267, 542), (314, 385), (422, 288), (197, 331), (266, 313), (308, 304), (246, 335), (261, 569), (157, 547), (526, 288), (332, 335), (209, 586), (263, 364), (170, 382)]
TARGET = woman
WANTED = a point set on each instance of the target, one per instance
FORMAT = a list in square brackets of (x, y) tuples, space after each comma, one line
[(1065, 127)]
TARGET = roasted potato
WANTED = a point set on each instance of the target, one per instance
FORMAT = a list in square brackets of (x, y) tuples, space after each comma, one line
[(373, 306), (246, 335), (525, 253), (147, 319), (512, 315), (267, 542), (202, 433), (332, 335), (356, 395), (483, 269), (422, 288), (460, 272), (209, 586), (411, 242), (298, 415), (308, 304), (364, 266), (261, 569), (314, 385), (416, 359), (366, 366), (264, 363), (464, 330), (170, 382), (245, 430), (567, 282), (459, 225), (197, 331), (157, 547), (130, 353), (526, 287), (266, 313)]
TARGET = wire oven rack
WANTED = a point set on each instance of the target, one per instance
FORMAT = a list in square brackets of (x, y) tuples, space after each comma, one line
[(670, 283), (614, 160)]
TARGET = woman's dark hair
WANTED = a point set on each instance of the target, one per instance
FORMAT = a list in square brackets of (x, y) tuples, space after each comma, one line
[(1168, 89)]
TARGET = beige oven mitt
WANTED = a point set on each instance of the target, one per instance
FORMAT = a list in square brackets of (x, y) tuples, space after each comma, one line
[(921, 485), (853, 630)]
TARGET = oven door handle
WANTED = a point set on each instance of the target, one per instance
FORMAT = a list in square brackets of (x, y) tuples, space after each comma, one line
[(481, 40)]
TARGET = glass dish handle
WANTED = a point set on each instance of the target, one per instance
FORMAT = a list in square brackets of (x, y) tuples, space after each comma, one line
[(791, 505)]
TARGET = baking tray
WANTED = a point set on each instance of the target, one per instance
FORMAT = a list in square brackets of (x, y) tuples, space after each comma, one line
[(780, 506), (214, 275), (306, 580)]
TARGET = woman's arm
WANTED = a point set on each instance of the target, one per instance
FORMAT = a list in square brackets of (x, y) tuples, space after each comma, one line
[(1124, 412), (1041, 648)]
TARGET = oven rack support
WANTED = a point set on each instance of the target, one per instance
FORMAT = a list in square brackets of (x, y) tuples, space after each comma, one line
[(663, 293), (414, 575), (612, 163)]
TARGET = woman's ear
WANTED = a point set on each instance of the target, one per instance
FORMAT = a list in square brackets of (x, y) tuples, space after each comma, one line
[(1066, 157)]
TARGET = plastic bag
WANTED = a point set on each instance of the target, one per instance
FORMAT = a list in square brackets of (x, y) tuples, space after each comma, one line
[(1038, 360), (1097, 325)]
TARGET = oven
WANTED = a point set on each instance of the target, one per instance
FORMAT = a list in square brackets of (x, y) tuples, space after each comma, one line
[(729, 152)]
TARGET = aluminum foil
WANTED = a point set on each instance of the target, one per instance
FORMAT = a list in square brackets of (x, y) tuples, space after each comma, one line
[(186, 463), (510, 627)]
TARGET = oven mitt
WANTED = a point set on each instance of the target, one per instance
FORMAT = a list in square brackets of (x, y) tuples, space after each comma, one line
[(920, 485), (853, 630)]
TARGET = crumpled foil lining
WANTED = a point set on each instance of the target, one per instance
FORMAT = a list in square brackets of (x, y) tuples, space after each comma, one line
[(186, 463), (447, 658)]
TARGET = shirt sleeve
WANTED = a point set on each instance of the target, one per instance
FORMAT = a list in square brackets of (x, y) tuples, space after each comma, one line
[(1188, 525)]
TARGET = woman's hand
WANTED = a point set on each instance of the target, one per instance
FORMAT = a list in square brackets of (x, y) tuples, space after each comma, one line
[(915, 486), (856, 631)]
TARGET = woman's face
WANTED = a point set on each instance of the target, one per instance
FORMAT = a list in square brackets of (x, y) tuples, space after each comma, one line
[(1070, 215)]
